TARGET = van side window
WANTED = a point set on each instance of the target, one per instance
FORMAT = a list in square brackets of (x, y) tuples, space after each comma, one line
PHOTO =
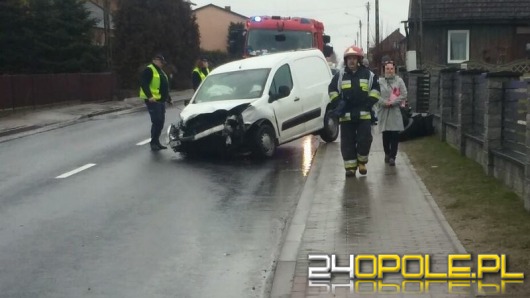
[(282, 77)]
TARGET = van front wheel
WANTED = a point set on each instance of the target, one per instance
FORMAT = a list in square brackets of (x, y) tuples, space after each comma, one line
[(330, 132), (264, 142)]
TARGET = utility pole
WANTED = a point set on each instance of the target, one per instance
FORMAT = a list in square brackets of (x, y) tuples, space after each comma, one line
[(368, 26), (376, 23), (106, 25), (357, 39), (360, 34)]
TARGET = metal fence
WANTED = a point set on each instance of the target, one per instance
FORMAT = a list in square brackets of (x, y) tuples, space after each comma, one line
[(35, 90), (423, 93)]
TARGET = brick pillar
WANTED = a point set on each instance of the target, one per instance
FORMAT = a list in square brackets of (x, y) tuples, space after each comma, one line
[(493, 96)]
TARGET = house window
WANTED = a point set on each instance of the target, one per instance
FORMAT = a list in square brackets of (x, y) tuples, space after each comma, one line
[(458, 46)]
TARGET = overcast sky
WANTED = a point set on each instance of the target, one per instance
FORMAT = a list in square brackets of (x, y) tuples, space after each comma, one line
[(340, 17)]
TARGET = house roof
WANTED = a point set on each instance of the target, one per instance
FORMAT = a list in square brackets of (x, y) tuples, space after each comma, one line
[(223, 9), (470, 10)]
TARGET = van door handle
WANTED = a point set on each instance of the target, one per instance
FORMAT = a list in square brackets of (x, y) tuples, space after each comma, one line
[(296, 98)]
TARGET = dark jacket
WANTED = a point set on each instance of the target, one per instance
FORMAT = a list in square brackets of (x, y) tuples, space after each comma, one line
[(145, 81), (357, 92)]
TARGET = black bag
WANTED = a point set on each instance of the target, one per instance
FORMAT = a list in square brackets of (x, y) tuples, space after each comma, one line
[(406, 114), (419, 125)]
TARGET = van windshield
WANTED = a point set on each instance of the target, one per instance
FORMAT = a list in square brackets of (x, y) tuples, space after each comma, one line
[(241, 84)]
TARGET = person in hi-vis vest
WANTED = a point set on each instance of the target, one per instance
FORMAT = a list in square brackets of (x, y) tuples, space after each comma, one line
[(154, 90), (199, 73)]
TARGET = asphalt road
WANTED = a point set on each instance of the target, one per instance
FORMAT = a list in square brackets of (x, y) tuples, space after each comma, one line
[(134, 223)]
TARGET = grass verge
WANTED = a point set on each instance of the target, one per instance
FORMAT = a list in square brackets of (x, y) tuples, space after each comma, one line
[(486, 216)]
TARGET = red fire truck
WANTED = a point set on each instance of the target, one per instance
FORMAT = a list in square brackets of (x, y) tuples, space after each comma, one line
[(270, 34)]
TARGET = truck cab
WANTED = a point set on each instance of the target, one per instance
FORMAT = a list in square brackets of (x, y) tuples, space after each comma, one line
[(271, 34)]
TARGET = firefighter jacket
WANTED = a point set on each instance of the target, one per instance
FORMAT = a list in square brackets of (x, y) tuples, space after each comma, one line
[(354, 93)]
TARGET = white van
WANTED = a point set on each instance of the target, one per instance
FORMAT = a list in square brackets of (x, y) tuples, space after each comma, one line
[(258, 103)]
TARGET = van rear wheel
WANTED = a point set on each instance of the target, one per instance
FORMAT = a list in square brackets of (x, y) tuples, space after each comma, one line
[(264, 144), (330, 131)]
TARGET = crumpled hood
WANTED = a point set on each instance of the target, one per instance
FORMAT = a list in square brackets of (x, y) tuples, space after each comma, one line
[(195, 109)]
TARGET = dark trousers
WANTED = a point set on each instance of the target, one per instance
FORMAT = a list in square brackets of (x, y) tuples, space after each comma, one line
[(355, 141), (157, 112), (390, 143)]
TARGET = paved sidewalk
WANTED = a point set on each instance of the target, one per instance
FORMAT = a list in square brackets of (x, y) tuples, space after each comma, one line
[(27, 121), (387, 211)]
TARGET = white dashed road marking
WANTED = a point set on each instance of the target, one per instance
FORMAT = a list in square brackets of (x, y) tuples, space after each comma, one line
[(143, 142), (65, 175)]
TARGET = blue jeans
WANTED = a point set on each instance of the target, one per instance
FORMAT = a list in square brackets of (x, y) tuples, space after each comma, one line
[(157, 112)]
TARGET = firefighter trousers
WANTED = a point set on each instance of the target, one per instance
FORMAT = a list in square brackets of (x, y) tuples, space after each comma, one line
[(355, 142)]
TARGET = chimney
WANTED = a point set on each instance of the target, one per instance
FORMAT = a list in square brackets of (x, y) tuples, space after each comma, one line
[(228, 8)]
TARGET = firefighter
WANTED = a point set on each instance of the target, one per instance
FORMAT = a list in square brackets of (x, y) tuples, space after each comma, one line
[(354, 90)]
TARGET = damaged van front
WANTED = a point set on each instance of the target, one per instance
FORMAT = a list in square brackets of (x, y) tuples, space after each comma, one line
[(221, 113), (224, 129)]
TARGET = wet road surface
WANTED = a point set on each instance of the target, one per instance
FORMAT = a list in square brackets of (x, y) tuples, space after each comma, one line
[(125, 222)]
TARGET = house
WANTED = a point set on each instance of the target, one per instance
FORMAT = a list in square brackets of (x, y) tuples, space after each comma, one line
[(470, 33), (213, 22), (390, 48)]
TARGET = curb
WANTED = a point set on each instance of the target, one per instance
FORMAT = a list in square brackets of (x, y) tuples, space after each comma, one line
[(284, 272), (19, 129)]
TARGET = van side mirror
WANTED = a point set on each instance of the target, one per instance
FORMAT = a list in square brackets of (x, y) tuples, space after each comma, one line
[(283, 91), (326, 39), (186, 102)]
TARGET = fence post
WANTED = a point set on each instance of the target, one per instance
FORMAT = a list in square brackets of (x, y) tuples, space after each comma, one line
[(464, 93), (412, 88), (446, 96), (434, 100), (493, 96), (526, 189)]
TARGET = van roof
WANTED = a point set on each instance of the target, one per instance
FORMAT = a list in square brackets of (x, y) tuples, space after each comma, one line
[(266, 61)]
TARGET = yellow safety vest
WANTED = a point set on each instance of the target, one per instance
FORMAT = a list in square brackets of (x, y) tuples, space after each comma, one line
[(155, 84), (201, 74)]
